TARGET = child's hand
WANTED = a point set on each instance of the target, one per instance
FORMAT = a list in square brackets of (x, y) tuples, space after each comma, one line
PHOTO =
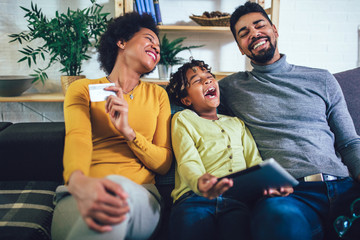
[(210, 188), (283, 192)]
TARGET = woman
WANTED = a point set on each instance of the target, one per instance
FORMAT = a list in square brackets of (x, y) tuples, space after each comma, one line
[(113, 148)]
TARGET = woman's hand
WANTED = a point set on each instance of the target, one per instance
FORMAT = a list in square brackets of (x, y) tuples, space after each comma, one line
[(101, 202), (118, 108), (283, 192), (210, 188)]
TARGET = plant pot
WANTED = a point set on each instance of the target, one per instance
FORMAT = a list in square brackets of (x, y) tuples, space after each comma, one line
[(164, 71), (67, 80)]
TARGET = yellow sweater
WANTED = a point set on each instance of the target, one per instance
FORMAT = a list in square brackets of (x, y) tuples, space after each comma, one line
[(94, 146)]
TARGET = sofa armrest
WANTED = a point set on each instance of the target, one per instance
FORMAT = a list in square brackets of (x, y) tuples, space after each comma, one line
[(4, 125)]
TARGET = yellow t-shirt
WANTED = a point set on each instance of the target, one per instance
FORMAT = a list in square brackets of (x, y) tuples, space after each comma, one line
[(94, 146)]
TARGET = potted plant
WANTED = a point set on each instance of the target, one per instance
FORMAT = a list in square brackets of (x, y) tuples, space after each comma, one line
[(66, 39), (168, 52)]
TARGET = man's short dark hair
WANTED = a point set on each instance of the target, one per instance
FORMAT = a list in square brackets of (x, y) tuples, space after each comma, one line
[(248, 7), (121, 28), (176, 88)]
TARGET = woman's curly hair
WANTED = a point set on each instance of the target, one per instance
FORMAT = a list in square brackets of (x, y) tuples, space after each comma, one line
[(122, 28), (176, 88)]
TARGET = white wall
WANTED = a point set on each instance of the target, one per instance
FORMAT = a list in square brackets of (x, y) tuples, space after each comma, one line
[(320, 33), (315, 33)]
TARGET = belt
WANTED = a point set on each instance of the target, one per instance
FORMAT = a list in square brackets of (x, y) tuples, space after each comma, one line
[(319, 177)]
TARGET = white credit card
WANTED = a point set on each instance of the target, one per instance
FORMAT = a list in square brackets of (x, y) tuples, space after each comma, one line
[(97, 92)]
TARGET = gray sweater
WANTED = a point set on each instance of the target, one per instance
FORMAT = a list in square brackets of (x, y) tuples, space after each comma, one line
[(297, 115)]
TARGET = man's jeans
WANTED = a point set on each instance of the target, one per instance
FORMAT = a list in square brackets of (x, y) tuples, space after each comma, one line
[(194, 218), (306, 214)]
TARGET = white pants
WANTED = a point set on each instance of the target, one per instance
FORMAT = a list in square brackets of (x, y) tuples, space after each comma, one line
[(140, 223)]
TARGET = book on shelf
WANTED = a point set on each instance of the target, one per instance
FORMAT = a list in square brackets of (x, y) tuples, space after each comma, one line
[(157, 12), (152, 9), (149, 7), (140, 6)]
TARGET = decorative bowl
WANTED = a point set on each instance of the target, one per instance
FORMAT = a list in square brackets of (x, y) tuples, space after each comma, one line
[(14, 85), (215, 21)]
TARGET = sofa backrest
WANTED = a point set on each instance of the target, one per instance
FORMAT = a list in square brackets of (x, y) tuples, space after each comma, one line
[(32, 151), (350, 84), (45, 141)]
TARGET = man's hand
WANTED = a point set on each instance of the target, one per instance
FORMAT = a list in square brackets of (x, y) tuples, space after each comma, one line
[(101, 202), (118, 108), (210, 188), (283, 192)]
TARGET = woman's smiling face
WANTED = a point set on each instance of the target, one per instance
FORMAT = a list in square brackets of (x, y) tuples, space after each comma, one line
[(143, 47)]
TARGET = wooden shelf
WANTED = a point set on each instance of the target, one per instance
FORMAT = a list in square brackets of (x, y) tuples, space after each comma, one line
[(155, 80), (35, 97), (57, 96), (124, 6), (174, 28)]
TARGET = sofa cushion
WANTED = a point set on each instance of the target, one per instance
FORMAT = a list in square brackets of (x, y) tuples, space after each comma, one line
[(350, 84), (26, 209), (32, 151)]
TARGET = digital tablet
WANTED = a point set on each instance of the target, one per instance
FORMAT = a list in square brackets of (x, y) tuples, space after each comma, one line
[(251, 182)]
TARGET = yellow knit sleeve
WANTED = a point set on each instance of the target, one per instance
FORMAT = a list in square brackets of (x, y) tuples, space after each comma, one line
[(157, 154), (78, 139)]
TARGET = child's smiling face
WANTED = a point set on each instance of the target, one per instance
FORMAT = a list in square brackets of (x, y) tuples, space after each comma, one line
[(203, 91)]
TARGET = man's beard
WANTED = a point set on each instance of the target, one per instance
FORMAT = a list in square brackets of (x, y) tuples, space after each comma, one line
[(264, 55)]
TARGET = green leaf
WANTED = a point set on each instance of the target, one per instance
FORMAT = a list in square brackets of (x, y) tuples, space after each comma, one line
[(25, 9), (169, 50), (22, 59), (34, 58), (14, 40), (36, 77), (24, 52)]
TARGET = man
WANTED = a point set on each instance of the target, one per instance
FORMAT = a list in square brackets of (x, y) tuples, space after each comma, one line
[(298, 116)]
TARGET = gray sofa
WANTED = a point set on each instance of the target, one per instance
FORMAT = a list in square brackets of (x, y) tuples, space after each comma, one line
[(31, 169), (350, 84)]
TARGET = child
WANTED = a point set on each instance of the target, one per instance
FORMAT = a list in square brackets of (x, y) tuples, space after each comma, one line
[(208, 146)]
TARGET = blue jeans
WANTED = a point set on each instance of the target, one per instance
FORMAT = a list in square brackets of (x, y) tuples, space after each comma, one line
[(307, 214), (194, 218)]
